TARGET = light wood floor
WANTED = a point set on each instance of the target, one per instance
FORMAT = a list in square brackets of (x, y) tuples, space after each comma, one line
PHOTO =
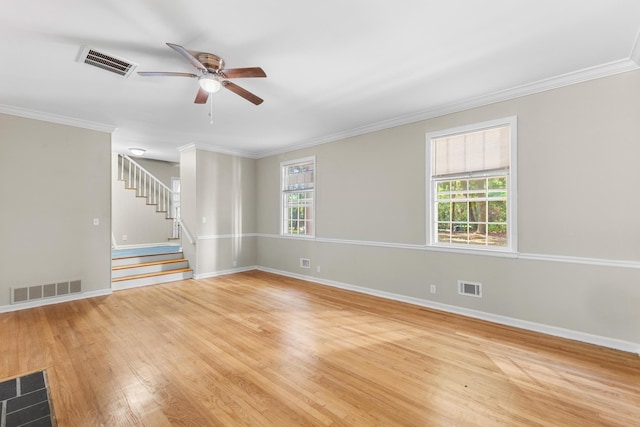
[(258, 349)]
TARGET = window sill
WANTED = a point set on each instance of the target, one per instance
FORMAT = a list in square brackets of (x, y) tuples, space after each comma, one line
[(500, 252)]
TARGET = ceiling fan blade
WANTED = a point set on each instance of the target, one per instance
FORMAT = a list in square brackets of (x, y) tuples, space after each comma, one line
[(165, 73), (201, 96), (242, 92), (235, 73), (188, 56)]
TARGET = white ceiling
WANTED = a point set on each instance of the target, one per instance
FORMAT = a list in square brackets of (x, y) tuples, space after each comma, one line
[(335, 68)]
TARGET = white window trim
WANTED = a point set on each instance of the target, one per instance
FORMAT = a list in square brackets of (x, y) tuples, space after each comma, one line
[(283, 164), (512, 201)]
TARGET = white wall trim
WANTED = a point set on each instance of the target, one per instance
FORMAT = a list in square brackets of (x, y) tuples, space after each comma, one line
[(216, 149), (591, 73), (54, 300), (187, 147), (54, 118), (494, 318), (224, 272), (601, 262), (226, 236), (581, 260)]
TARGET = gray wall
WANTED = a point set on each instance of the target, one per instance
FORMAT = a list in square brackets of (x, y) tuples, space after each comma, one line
[(161, 169), (132, 216), (188, 205), (219, 208), (578, 265), (55, 180)]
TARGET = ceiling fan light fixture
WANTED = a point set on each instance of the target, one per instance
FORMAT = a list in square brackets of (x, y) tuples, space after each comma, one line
[(137, 151), (209, 84)]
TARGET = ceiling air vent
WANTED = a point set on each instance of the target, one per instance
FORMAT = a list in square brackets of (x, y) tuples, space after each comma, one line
[(107, 62)]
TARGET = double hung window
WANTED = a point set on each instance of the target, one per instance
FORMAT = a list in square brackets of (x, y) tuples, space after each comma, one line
[(298, 193), (472, 187)]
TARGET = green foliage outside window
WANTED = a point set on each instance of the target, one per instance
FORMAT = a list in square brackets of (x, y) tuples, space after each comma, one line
[(472, 211)]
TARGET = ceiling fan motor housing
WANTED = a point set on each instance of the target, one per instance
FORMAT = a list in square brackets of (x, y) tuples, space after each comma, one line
[(212, 62)]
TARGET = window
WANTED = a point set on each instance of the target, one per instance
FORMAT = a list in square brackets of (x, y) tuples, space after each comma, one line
[(472, 186), (298, 191)]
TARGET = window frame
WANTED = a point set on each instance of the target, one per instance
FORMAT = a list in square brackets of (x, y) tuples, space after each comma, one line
[(283, 194), (512, 187)]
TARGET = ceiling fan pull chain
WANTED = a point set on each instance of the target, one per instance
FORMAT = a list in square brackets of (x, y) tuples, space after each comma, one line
[(210, 109)]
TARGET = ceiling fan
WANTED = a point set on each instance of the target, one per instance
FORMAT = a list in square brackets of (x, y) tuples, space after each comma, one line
[(212, 76)]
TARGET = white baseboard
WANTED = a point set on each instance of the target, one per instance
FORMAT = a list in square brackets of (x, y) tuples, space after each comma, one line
[(495, 318), (54, 300), (224, 272)]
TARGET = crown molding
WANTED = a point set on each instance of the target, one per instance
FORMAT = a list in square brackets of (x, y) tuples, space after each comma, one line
[(587, 74), (216, 149), (616, 67), (186, 147), (54, 118)]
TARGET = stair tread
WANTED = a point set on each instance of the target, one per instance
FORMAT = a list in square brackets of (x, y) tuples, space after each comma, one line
[(147, 264), (147, 255), (160, 273)]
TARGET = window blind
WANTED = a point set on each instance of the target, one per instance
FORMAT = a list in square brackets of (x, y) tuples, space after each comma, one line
[(298, 177), (471, 153)]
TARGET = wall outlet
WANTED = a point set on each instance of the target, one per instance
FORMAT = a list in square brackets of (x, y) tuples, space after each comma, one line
[(124, 237), (204, 219), (96, 221), (432, 289), (235, 263), (318, 269)]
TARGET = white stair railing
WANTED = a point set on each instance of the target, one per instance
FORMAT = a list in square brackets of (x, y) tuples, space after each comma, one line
[(146, 185), (186, 231)]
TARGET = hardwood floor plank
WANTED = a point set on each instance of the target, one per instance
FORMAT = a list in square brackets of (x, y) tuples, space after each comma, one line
[(257, 349)]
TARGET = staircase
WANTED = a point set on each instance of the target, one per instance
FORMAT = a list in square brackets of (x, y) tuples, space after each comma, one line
[(148, 268), (141, 266), (156, 194)]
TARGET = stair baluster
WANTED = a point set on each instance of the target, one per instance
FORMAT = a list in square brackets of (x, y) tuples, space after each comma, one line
[(148, 186)]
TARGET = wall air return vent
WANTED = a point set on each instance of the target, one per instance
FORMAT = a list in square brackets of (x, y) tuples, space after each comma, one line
[(49, 290), (305, 263), (470, 288), (107, 62)]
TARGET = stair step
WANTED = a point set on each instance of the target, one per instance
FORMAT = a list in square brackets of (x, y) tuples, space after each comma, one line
[(133, 270), (146, 264), (159, 273), (151, 279), (141, 259)]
